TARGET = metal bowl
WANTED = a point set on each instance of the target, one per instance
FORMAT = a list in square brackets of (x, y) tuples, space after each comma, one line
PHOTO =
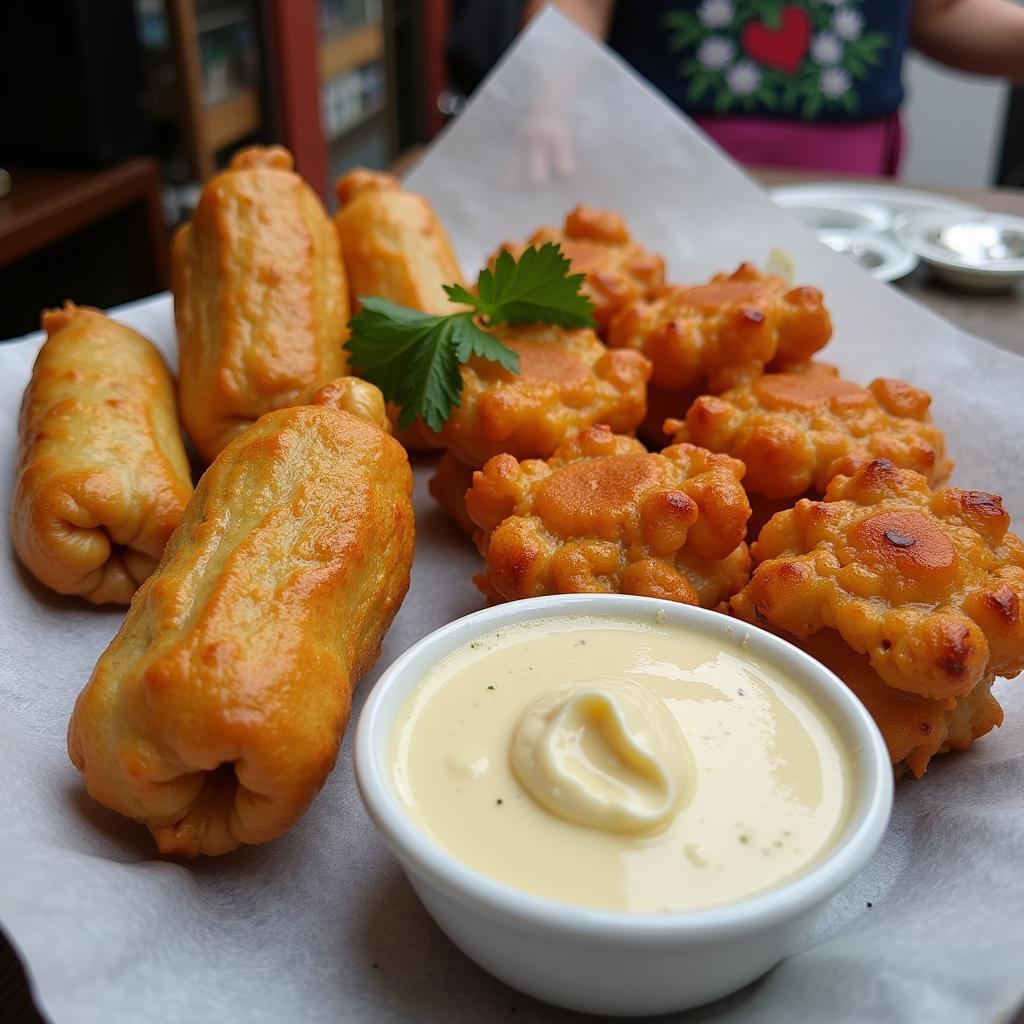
[(881, 257), (983, 252)]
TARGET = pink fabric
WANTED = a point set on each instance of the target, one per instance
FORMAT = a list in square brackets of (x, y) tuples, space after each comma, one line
[(867, 147)]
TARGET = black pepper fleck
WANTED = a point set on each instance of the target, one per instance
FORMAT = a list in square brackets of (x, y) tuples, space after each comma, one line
[(869, 904), (742, 692), (745, 840), (499, 801), (899, 540), (490, 687)]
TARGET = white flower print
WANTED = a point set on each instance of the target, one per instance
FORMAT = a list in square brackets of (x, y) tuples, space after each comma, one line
[(847, 23), (826, 48), (743, 78), (716, 13), (834, 83), (716, 52)]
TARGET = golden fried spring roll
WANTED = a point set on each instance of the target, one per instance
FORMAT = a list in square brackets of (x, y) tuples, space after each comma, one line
[(394, 247), (102, 477), (393, 244), (215, 714), (260, 298), (357, 396)]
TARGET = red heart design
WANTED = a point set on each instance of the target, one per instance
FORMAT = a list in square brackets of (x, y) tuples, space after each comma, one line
[(784, 47)]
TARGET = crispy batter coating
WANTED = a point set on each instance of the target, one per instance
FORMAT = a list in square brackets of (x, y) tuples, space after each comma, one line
[(393, 244), (102, 478), (215, 714), (915, 729), (567, 380), (394, 247), (719, 335), (796, 431), (605, 515), (618, 270), (260, 298), (356, 396), (925, 584), (448, 486)]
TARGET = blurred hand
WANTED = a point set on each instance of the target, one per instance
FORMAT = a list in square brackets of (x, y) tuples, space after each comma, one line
[(546, 144)]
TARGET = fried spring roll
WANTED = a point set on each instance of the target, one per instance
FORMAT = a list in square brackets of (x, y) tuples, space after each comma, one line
[(216, 713), (260, 298), (102, 477), (357, 396), (393, 244)]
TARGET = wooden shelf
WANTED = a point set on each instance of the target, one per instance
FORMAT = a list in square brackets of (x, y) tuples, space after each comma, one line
[(232, 119), (350, 50), (225, 17), (364, 119)]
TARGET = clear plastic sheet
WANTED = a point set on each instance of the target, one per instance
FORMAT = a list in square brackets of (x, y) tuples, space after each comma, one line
[(321, 926)]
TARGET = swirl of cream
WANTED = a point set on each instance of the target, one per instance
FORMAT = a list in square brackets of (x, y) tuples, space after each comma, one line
[(605, 753)]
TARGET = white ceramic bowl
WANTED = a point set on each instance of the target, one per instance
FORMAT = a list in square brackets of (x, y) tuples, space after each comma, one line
[(615, 962), (838, 214)]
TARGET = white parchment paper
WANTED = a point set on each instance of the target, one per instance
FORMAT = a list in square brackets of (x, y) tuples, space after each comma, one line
[(321, 926)]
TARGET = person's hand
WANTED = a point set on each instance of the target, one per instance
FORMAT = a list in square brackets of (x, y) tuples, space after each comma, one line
[(547, 145)]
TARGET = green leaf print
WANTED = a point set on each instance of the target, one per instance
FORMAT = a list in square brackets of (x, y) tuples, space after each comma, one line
[(855, 66), (813, 105), (790, 96), (699, 86), (873, 41), (849, 100), (821, 16), (723, 101), (681, 38), (686, 29), (680, 19)]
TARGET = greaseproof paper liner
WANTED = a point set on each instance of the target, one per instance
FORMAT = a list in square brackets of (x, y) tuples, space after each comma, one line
[(320, 925)]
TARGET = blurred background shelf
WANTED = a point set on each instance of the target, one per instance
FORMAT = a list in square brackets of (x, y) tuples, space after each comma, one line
[(232, 119), (345, 51)]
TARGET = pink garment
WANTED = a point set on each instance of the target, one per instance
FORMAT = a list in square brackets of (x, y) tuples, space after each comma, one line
[(864, 147)]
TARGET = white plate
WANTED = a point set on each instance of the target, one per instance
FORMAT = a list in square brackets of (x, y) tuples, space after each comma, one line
[(898, 202), (879, 255), (838, 214)]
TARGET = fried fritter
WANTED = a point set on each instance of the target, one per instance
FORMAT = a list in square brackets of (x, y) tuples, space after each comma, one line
[(926, 585), (567, 380), (711, 337), (915, 729), (604, 515), (796, 431), (448, 486), (618, 270)]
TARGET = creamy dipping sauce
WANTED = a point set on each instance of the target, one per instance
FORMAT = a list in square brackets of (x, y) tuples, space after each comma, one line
[(621, 765)]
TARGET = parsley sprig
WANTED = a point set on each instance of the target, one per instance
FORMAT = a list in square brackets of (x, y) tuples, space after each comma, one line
[(414, 357)]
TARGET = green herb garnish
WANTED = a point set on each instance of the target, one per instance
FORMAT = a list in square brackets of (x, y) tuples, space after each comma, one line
[(414, 358)]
